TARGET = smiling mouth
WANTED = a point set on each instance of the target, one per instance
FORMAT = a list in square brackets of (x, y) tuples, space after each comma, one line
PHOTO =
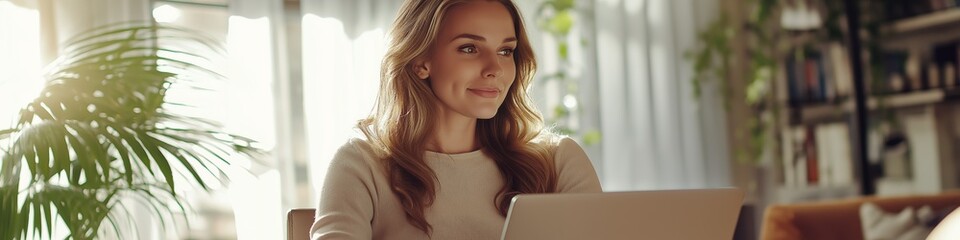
[(485, 92)]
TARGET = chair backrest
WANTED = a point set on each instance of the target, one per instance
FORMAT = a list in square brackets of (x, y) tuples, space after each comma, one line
[(840, 219), (299, 221)]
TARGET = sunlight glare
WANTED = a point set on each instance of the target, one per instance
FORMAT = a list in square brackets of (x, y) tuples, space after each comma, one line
[(166, 13), (20, 60)]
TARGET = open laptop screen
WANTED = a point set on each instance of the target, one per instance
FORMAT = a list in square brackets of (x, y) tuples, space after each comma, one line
[(666, 214)]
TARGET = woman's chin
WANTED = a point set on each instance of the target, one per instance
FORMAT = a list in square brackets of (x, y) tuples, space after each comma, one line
[(486, 114)]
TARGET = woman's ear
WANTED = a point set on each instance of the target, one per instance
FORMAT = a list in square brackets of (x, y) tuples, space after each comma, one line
[(422, 69)]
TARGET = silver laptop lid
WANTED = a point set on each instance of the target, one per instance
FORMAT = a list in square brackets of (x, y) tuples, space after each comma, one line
[(666, 214)]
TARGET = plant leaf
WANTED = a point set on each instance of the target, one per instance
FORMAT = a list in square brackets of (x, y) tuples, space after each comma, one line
[(124, 156), (61, 153), (137, 148), (7, 132), (183, 161), (158, 158)]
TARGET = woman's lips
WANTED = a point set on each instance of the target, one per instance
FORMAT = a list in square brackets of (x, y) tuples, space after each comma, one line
[(485, 92)]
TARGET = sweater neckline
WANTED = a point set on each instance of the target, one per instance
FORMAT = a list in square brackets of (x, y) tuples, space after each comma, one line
[(455, 156)]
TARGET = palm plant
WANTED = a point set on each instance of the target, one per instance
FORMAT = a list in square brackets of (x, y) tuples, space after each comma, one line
[(101, 131)]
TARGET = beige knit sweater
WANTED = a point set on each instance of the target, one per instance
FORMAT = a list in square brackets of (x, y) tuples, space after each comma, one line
[(356, 201)]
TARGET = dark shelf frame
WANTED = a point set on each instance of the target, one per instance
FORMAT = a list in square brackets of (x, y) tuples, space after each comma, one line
[(867, 183)]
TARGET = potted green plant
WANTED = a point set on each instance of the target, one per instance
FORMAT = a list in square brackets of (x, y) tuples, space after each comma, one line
[(100, 131)]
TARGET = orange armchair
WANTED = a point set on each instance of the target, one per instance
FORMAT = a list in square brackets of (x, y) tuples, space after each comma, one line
[(839, 219)]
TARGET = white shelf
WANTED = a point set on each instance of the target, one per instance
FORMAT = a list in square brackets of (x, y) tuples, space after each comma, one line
[(926, 21), (917, 33), (824, 112), (908, 99)]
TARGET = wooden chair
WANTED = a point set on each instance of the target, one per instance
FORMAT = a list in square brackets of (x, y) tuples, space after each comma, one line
[(299, 221)]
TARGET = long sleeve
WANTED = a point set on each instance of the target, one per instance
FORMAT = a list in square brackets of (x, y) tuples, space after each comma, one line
[(347, 198), (575, 171)]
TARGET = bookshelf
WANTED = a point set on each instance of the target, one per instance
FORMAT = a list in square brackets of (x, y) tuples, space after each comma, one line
[(828, 101)]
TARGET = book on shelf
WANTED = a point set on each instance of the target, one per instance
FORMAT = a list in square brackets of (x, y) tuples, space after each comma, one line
[(813, 159), (839, 69), (814, 77), (833, 147), (817, 156)]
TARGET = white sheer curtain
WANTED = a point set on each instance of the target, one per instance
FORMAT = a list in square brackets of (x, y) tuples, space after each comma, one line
[(343, 45), (655, 134), (257, 108)]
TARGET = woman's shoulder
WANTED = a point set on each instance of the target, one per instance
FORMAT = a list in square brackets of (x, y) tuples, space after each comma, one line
[(561, 148), (357, 151), (555, 142)]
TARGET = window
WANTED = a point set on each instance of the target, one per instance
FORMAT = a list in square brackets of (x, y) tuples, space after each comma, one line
[(20, 60)]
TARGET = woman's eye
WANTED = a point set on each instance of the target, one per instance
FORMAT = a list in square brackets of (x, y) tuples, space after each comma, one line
[(468, 49), (506, 52)]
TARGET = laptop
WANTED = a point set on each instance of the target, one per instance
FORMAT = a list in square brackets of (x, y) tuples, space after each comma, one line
[(666, 214)]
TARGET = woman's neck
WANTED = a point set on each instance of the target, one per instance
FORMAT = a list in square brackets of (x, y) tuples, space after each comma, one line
[(453, 133)]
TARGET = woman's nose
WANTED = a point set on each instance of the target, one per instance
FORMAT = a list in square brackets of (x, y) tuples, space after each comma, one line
[(492, 68)]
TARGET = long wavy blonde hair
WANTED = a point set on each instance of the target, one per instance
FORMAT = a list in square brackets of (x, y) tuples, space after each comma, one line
[(402, 118)]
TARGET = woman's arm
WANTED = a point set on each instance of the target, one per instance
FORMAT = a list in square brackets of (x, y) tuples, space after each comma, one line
[(346, 205), (574, 169)]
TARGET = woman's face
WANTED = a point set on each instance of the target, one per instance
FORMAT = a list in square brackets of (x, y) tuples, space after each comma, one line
[(470, 66)]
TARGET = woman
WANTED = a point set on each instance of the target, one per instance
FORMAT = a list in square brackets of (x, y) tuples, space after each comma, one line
[(453, 136)]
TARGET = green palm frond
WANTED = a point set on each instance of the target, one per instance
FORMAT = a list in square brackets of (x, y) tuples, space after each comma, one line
[(101, 129)]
